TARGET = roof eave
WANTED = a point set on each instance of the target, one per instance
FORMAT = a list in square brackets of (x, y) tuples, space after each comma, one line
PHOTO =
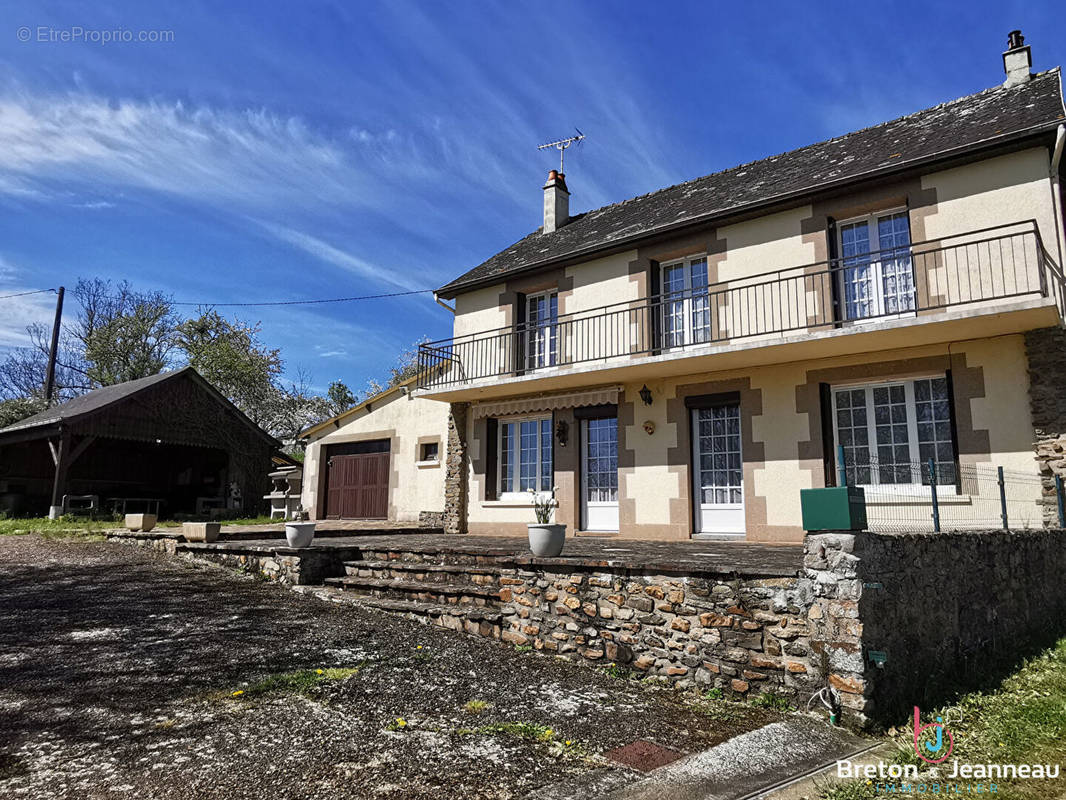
[(967, 152)]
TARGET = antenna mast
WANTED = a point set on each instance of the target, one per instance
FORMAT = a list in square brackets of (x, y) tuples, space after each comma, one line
[(561, 145)]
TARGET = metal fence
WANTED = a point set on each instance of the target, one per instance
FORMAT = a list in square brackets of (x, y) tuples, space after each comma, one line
[(903, 497)]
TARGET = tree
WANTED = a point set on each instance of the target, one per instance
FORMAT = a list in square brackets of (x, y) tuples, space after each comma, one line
[(114, 334), (231, 356), (340, 398), (406, 364), (18, 408)]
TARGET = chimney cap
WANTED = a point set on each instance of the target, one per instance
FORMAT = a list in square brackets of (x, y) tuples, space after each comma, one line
[(1015, 40)]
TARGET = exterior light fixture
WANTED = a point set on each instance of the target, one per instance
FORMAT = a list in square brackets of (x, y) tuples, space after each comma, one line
[(645, 394), (562, 431)]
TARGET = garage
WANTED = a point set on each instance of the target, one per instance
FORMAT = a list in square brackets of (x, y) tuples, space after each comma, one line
[(357, 480)]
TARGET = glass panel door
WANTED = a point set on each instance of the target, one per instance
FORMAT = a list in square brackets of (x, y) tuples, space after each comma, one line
[(599, 474), (542, 314), (685, 311), (877, 277), (718, 470)]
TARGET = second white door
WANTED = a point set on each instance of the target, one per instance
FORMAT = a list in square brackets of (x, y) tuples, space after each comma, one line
[(718, 470), (599, 474)]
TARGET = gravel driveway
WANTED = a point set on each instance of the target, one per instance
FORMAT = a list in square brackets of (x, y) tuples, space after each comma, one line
[(128, 674)]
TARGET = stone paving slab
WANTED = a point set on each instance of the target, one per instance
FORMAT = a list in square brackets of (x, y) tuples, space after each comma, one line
[(740, 558)]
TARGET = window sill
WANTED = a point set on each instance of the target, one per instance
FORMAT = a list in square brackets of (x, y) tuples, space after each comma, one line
[(427, 464), (511, 502), (920, 499)]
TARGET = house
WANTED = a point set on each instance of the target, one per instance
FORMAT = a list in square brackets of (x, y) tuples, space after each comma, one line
[(381, 459), (169, 443), (683, 363)]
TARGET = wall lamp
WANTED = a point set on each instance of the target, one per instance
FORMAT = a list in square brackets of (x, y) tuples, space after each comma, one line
[(645, 394), (562, 432)]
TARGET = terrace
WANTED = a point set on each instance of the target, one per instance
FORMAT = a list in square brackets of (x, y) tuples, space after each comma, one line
[(983, 282)]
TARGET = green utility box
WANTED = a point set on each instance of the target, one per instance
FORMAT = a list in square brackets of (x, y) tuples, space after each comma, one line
[(838, 508)]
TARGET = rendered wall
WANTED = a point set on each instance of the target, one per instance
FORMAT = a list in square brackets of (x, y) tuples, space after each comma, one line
[(782, 440), (407, 422)]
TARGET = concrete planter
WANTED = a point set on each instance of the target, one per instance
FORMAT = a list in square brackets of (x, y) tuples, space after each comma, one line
[(299, 534), (546, 540), (140, 522), (201, 531)]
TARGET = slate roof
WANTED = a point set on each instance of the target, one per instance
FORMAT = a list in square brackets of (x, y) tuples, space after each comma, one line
[(992, 117), (100, 399)]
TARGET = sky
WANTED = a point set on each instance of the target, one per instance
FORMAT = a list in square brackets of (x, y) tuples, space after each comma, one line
[(292, 151)]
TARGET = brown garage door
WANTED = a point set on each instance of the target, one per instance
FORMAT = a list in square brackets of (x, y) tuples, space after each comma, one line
[(358, 486)]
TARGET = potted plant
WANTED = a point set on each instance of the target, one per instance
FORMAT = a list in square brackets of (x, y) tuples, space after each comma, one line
[(545, 538), (298, 531)]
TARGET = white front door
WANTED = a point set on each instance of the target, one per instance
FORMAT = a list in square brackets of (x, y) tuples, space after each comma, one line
[(718, 473), (599, 474)]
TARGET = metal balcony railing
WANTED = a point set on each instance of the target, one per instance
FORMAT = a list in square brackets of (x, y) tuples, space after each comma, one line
[(980, 268)]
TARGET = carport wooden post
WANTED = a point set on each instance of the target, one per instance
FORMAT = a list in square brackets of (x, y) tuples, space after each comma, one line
[(61, 457)]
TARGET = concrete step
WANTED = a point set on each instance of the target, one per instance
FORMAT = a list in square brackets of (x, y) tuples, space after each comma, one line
[(466, 594), (423, 572), (477, 620)]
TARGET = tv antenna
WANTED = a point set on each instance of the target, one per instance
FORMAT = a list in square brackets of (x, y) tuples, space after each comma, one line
[(561, 145)]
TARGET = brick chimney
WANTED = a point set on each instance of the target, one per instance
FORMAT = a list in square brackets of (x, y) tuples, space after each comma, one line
[(1017, 59), (556, 202)]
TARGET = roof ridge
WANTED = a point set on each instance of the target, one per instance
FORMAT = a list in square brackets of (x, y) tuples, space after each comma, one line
[(764, 159)]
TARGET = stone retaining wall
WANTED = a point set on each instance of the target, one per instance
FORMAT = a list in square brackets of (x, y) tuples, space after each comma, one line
[(1045, 351), (742, 635), (900, 620), (286, 565)]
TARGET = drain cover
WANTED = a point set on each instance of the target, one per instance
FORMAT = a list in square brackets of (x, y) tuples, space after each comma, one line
[(643, 755)]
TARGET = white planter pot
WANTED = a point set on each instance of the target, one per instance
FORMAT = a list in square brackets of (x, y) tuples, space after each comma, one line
[(299, 534), (140, 522), (546, 540)]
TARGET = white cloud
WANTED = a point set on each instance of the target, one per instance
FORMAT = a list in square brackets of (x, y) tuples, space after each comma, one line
[(339, 258), (17, 313)]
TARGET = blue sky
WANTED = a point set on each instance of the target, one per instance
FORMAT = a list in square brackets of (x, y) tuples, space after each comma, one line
[(297, 151)]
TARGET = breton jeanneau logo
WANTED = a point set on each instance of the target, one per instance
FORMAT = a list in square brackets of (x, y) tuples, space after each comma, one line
[(933, 742)]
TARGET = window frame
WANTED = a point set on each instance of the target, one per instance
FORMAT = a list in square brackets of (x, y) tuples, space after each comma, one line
[(516, 466), (913, 442), (422, 447), (877, 301), (548, 355), (688, 307)]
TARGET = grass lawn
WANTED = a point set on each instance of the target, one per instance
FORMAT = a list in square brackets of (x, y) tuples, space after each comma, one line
[(70, 525), (1021, 721)]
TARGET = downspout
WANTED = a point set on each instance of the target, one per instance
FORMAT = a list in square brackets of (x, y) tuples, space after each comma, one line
[(1056, 193)]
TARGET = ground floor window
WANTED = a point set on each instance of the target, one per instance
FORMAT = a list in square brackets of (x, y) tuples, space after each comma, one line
[(889, 431), (525, 456)]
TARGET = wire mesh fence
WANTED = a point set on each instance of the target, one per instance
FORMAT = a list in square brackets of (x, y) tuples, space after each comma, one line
[(933, 496)]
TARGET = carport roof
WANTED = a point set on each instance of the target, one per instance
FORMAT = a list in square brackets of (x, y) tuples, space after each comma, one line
[(106, 397)]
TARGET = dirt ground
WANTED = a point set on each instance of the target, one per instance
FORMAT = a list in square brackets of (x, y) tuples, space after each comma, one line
[(128, 674)]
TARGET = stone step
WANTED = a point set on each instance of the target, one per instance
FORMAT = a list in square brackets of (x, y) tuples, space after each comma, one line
[(423, 572), (451, 556), (467, 594), (477, 620)]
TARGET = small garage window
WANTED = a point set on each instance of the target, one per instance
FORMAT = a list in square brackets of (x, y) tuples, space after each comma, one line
[(429, 451)]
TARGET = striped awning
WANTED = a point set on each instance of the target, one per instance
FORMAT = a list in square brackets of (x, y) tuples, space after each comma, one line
[(547, 402)]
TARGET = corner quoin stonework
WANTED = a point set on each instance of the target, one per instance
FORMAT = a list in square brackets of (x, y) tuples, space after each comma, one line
[(455, 476), (1045, 351)]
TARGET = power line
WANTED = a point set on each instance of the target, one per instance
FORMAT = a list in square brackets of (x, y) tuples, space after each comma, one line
[(23, 294), (266, 303)]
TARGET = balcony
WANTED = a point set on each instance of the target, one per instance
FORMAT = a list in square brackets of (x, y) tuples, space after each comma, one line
[(1002, 273)]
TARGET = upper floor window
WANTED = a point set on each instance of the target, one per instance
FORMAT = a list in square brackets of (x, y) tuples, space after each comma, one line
[(890, 430), (525, 456), (542, 315), (876, 275), (685, 307)]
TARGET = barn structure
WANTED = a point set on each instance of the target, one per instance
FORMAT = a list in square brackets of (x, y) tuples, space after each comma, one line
[(169, 443)]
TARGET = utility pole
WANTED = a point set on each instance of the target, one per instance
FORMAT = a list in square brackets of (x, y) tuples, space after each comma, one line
[(50, 376)]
